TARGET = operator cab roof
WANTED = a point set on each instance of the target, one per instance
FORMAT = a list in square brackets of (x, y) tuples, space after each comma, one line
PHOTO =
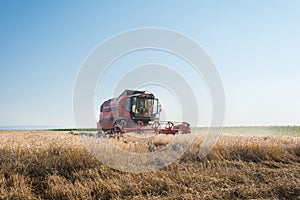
[(136, 93)]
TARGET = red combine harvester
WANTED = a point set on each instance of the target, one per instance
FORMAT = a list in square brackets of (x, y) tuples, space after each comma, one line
[(136, 111)]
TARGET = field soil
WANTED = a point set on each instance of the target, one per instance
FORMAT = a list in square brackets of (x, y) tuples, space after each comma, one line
[(56, 165)]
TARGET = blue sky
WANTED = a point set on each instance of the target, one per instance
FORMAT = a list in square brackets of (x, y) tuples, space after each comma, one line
[(254, 44)]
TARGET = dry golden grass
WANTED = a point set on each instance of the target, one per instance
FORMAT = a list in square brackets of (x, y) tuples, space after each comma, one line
[(55, 165)]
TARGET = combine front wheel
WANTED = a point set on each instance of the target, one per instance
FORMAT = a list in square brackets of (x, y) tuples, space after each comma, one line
[(115, 129)]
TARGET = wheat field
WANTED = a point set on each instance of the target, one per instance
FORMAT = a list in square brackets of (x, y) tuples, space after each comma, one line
[(56, 165)]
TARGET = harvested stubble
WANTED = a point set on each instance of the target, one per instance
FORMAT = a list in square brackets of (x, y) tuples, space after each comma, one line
[(55, 165)]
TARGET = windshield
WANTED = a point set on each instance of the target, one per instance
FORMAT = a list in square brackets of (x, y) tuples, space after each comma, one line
[(142, 107)]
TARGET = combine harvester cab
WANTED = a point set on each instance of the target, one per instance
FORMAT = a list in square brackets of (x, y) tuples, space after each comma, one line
[(136, 111)]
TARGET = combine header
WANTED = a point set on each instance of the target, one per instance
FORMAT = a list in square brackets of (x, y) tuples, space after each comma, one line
[(136, 111)]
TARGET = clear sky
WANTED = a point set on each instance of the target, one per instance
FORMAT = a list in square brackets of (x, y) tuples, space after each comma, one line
[(254, 44)]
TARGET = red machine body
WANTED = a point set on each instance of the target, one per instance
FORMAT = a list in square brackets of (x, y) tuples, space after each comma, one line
[(135, 111)]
